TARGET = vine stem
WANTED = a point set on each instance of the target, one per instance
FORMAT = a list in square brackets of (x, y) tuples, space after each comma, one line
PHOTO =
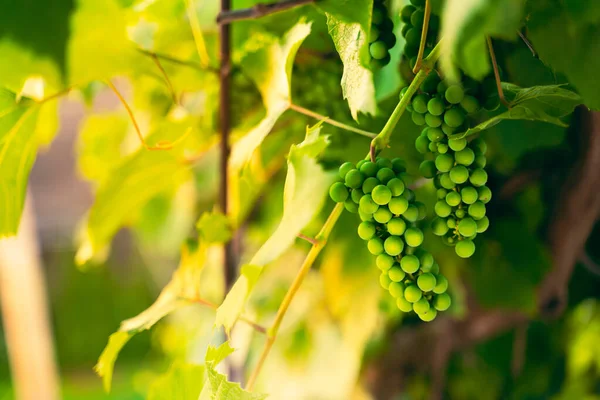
[(419, 62), (330, 121), (496, 72), (259, 10), (166, 78), (321, 240), (382, 140)]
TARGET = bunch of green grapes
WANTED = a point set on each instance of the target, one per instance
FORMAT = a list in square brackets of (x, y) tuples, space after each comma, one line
[(457, 167), (413, 16), (381, 36), (389, 214)]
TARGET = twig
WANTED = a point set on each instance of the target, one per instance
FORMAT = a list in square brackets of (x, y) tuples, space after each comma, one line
[(321, 238), (166, 77), (496, 72), (259, 10), (528, 44), (330, 121), (419, 62), (177, 61), (308, 239), (589, 263), (197, 33)]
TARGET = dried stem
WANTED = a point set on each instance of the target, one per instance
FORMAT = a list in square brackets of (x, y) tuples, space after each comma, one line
[(496, 72), (419, 62), (308, 239), (330, 121), (166, 77), (259, 10)]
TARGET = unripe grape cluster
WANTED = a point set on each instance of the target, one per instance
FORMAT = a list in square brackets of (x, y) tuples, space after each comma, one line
[(381, 35), (389, 214), (413, 16), (457, 167)]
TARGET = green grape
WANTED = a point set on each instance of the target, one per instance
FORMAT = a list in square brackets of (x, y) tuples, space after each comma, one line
[(396, 226), (413, 37), (446, 182), (406, 13), (480, 161), (354, 179), (460, 213), (364, 216), (457, 144), (345, 168), (422, 210), (441, 193), (413, 237), (429, 315), (430, 83), (367, 205), (403, 92), (441, 88), (484, 194), (422, 144), (384, 262), (411, 214), (439, 227), (396, 274), (398, 165), (441, 284), (338, 192), (374, 34), (432, 120), (444, 162), (398, 205), (396, 288), (351, 206), (459, 174), (421, 306), (360, 164), (385, 175), (483, 224), (453, 198), (409, 263), (383, 163), (375, 246), (418, 3), (419, 103), (417, 18), (393, 245), (465, 157), (447, 129), (378, 16), (454, 117), (426, 282), (442, 148), (451, 223), (442, 209), (426, 169), (356, 195), (366, 230), (469, 104), (454, 94), (465, 248), (381, 195), (432, 147), (442, 302), (477, 210), (382, 215), (378, 50), (404, 30), (435, 269), (384, 281), (369, 169), (426, 260), (468, 195), (435, 135), (404, 305), (412, 293), (396, 186), (479, 146), (369, 184), (467, 227), (436, 106), (418, 119), (409, 195), (478, 177)]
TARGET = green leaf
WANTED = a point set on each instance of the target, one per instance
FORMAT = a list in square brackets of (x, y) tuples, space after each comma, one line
[(539, 103), (306, 185), (182, 290), (217, 354), (566, 36), (21, 135), (349, 24), (214, 227), (137, 179), (270, 67), (219, 388), (466, 23), (181, 382)]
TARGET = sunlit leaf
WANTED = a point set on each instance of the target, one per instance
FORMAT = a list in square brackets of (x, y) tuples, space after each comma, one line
[(106, 362), (181, 382), (349, 24), (217, 354), (219, 388), (214, 227), (304, 193)]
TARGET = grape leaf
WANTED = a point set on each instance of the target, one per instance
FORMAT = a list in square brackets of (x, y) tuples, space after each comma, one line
[(138, 178), (219, 388), (349, 24), (466, 23), (217, 354), (270, 67), (181, 382), (21, 135), (569, 42), (304, 193), (539, 103), (182, 290), (214, 227)]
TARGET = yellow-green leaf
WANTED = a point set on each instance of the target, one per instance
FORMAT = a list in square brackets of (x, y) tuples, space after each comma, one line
[(106, 362), (181, 382), (219, 388), (217, 354)]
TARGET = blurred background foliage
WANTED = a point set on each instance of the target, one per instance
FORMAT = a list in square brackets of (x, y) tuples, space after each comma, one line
[(341, 329)]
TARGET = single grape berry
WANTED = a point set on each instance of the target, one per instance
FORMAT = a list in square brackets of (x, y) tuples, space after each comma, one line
[(413, 237), (454, 117), (384, 280), (366, 230), (442, 209), (338, 192), (381, 195), (419, 103), (446, 182), (470, 104), (478, 177), (444, 162), (434, 134), (351, 206), (465, 248), (398, 205), (467, 227), (385, 175), (396, 226), (406, 13), (426, 282), (411, 214), (393, 245), (453, 199), (459, 174), (412, 293), (396, 288), (465, 157), (477, 210), (468, 195), (396, 186), (369, 169), (422, 144), (345, 168), (483, 224), (409, 263), (422, 306), (356, 195), (429, 315), (442, 302), (457, 144), (375, 246), (384, 262), (378, 50), (433, 120), (369, 184), (367, 205), (396, 274), (404, 305), (454, 94), (439, 227), (382, 215), (354, 179), (441, 284), (436, 106), (484, 194)]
